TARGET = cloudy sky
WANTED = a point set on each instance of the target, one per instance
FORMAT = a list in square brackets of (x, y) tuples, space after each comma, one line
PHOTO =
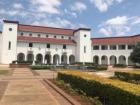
[(106, 18)]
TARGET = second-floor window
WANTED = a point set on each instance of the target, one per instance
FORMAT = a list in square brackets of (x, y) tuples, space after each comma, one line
[(131, 46), (113, 47), (30, 44), (96, 47), (64, 46), (9, 45), (104, 47), (48, 45), (122, 47), (84, 49)]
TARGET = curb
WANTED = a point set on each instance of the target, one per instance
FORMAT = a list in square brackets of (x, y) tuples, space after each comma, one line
[(62, 93)]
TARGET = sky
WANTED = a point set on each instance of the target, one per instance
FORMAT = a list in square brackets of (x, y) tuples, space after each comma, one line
[(106, 18)]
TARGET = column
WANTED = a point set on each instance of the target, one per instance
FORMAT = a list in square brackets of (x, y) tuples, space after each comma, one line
[(99, 60), (68, 59), (52, 59), (126, 60)]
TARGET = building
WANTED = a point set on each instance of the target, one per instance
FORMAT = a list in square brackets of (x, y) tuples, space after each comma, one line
[(61, 46)]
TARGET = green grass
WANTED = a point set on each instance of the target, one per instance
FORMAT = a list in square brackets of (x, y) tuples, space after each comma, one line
[(4, 72)]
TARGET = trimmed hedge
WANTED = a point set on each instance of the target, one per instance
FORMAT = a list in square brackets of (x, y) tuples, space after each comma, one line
[(113, 92), (128, 76), (120, 65), (39, 67), (101, 67)]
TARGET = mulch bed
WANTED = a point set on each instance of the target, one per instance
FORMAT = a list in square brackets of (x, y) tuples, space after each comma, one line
[(3, 85), (77, 97)]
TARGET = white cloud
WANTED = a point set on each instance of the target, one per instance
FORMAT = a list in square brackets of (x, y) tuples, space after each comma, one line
[(104, 31), (78, 7), (119, 25), (48, 6), (17, 6), (119, 20), (103, 5)]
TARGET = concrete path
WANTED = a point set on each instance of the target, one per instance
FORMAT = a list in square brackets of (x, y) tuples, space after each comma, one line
[(25, 91)]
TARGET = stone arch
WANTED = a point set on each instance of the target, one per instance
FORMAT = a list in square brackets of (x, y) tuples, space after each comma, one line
[(96, 59), (48, 59), (56, 59), (122, 59), (64, 59), (113, 60), (104, 60), (71, 59), (30, 57), (20, 57), (39, 58), (130, 63)]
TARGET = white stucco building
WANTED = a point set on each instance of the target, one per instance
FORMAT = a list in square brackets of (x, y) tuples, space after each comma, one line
[(61, 46)]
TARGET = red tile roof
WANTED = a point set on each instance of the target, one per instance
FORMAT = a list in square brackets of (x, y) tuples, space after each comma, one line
[(45, 40), (43, 29), (114, 40)]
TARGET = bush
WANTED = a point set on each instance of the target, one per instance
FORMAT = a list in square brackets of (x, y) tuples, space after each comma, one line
[(128, 76), (39, 67), (101, 67), (113, 92), (120, 65)]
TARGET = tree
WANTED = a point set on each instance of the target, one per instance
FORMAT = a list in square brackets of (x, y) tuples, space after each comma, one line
[(135, 55)]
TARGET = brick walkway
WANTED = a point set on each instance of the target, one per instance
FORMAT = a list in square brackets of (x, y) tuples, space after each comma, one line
[(25, 89)]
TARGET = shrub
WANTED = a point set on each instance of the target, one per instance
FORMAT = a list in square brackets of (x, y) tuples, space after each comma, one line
[(114, 92), (101, 67), (39, 67), (128, 76), (120, 65)]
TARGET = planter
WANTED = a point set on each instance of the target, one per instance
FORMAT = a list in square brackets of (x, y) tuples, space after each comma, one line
[(19, 65)]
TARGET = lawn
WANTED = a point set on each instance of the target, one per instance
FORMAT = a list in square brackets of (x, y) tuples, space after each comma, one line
[(4, 72)]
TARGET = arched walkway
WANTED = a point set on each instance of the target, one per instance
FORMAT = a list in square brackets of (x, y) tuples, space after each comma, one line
[(71, 59), (104, 60), (122, 60), (39, 58), (20, 57), (56, 59), (48, 59), (64, 59), (130, 63), (113, 60), (30, 57), (96, 59)]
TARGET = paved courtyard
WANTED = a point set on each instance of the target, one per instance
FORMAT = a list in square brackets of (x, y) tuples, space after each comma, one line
[(25, 88)]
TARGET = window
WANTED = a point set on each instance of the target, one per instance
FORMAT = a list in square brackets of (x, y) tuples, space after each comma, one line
[(10, 29), (30, 44), (113, 47), (131, 46), (64, 46), (62, 37), (96, 47), (70, 38), (85, 35), (47, 36), (54, 36), (104, 47), (21, 34), (121, 47), (9, 46), (84, 49), (48, 45), (38, 35), (30, 34)]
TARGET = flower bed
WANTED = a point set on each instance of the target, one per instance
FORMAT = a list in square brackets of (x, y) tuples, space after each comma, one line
[(128, 76), (114, 92)]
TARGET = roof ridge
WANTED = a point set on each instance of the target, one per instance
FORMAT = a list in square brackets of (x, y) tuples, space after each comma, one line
[(46, 27), (117, 37)]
